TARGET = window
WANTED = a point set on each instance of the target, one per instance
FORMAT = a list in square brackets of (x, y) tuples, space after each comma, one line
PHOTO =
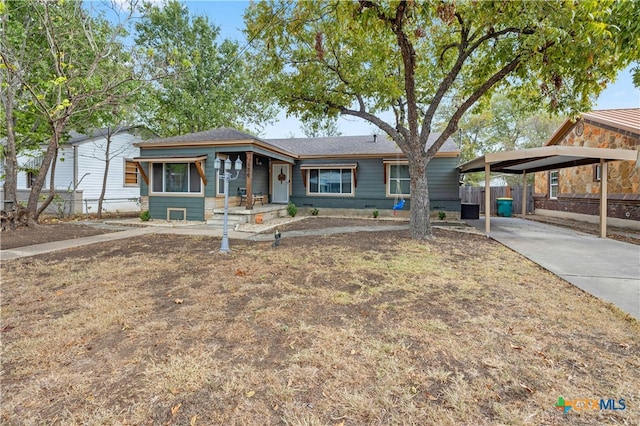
[(175, 178), (131, 177), (330, 181), (553, 184), (399, 181), (597, 170), (31, 178)]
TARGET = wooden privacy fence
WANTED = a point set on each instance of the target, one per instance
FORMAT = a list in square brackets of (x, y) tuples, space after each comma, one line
[(475, 195)]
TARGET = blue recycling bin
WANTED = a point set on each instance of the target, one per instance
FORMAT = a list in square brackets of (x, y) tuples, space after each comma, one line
[(504, 206)]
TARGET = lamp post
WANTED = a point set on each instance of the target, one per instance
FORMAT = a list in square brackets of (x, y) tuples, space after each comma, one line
[(226, 176)]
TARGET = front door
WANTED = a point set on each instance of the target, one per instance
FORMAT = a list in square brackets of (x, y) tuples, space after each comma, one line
[(280, 183)]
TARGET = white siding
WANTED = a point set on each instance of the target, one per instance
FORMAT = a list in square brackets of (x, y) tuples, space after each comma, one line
[(91, 163)]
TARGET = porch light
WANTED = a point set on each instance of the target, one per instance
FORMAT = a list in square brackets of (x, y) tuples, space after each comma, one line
[(216, 163), (238, 163), (227, 164)]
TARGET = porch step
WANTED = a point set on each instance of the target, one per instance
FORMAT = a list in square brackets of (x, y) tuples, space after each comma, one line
[(232, 222)]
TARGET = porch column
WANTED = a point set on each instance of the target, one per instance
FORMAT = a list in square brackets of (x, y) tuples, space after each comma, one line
[(524, 194), (249, 185), (487, 198), (603, 198)]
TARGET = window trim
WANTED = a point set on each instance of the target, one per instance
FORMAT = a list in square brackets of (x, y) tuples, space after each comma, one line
[(175, 194), (556, 185), (387, 183), (125, 162), (339, 167)]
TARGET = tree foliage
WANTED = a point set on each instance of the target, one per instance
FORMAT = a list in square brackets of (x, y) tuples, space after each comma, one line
[(504, 126), (64, 68), (418, 58), (210, 85), (324, 127)]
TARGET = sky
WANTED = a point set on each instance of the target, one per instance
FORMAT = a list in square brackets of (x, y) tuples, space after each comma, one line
[(228, 16)]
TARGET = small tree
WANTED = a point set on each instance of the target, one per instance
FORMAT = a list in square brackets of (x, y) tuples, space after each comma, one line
[(85, 70)]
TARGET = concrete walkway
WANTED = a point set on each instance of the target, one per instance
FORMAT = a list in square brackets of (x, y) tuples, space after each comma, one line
[(608, 269)]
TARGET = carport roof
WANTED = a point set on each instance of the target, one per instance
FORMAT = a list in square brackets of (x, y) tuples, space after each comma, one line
[(546, 158)]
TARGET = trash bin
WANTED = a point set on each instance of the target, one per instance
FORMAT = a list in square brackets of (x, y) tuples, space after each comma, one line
[(504, 206)]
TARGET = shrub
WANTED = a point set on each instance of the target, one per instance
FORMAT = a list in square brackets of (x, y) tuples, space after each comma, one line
[(376, 213), (314, 212), (145, 216), (442, 215), (292, 210)]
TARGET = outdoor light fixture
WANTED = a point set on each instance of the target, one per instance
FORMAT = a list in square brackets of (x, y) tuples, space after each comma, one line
[(226, 176)]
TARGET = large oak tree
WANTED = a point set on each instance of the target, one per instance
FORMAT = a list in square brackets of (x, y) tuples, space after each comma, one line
[(419, 59)]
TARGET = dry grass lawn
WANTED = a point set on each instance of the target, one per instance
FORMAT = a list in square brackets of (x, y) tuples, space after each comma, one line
[(355, 329)]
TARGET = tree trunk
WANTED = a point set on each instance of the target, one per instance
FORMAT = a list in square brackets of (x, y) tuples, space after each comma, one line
[(52, 189), (420, 227), (107, 161), (11, 163), (49, 157)]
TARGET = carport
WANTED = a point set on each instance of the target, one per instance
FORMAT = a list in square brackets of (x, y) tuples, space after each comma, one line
[(545, 158)]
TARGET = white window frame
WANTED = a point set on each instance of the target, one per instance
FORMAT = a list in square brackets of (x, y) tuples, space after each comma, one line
[(124, 173), (173, 194), (389, 184), (553, 185), (331, 194)]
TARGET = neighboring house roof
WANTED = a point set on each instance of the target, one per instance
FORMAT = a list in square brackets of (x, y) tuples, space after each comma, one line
[(91, 134), (343, 146), (338, 146), (622, 120)]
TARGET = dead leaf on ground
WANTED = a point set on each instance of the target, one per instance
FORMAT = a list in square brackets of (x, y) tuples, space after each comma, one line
[(178, 301), (174, 410), (527, 388)]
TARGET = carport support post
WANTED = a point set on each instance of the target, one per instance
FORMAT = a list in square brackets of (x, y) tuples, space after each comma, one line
[(603, 198), (487, 198), (524, 194)]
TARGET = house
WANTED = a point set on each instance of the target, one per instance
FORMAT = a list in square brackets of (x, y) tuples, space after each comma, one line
[(81, 164), (179, 180), (574, 191)]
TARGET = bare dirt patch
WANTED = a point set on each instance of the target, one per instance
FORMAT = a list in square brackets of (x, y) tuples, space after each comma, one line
[(46, 233), (362, 328)]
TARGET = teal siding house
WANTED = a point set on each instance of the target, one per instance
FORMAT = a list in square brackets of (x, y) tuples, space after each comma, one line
[(179, 181)]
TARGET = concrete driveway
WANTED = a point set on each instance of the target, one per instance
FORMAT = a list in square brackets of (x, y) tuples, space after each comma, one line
[(608, 269)]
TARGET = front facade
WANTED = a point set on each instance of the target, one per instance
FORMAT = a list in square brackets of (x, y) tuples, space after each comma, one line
[(575, 191), (179, 180)]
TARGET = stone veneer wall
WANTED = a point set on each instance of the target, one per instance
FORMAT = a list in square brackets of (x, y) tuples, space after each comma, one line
[(578, 189)]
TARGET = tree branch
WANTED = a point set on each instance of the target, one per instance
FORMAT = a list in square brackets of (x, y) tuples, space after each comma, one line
[(452, 126)]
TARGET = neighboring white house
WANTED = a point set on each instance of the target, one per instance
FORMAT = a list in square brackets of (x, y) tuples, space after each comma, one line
[(81, 165)]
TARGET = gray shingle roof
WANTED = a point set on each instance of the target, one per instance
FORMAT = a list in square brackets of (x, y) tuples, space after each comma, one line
[(220, 134), (324, 146), (349, 145)]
